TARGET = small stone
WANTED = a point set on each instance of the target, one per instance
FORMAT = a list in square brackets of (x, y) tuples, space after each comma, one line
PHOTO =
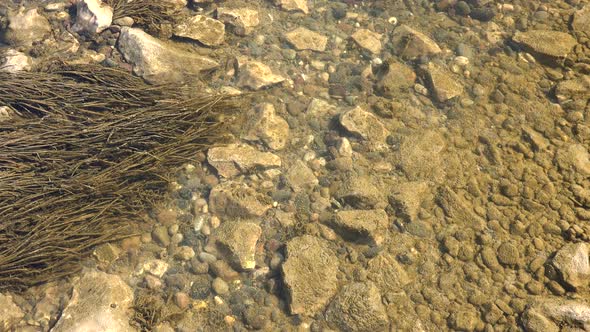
[(99, 302), (267, 127), (365, 125), (206, 257), (574, 157), (411, 44), (156, 267), (15, 61), (309, 274), (293, 5), (407, 198), (358, 307), (368, 40), (256, 75), (224, 271), (125, 21), (234, 199), (538, 141), (233, 159), (301, 177), (153, 282), (237, 239), (243, 20), (398, 78), (360, 193), (160, 234), (206, 30), (574, 89), (158, 62), (581, 21), (366, 226), (184, 253), (106, 253), (464, 320), (444, 86), (182, 300), (385, 271), (320, 107), (555, 44), (25, 27), (305, 39), (508, 254), (92, 16), (220, 286), (573, 263)]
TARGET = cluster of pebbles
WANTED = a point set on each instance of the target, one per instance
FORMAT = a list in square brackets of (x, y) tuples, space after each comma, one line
[(405, 166)]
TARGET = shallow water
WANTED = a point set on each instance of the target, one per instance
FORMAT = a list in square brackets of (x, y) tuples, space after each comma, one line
[(396, 166)]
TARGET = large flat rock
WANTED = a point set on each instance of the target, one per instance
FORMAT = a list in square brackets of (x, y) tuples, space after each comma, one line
[(160, 62)]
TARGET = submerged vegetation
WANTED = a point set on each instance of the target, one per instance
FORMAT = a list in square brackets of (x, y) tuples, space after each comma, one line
[(86, 148)]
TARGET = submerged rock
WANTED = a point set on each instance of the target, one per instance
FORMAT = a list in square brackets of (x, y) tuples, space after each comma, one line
[(398, 78), (301, 177), (293, 5), (411, 44), (444, 86), (555, 44), (358, 307), (365, 125), (206, 30), (25, 27), (243, 20), (234, 159), (256, 75), (232, 199), (581, 21), (573, 263), (267, 126), (368, 40), (237, 239), (158, 62), (309, 274), (100, 302), (16, 61), (10, 313), (366, 226), (92, 16), (305, 39), (556, 314)]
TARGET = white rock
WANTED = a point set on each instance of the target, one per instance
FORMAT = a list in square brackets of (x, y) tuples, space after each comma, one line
[(100, 302), (267, 127), (208, 31), (244, 20), (573, 263), (256, 75), (26, 27), (155, 267), (556, 314), (92, 16), (293, 5), (16, 61), (159, 62), (234, 159)]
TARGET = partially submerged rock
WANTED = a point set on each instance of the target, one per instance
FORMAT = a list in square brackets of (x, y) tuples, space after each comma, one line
[(158, 62), (305, 39), (309, 274), (92, 16), (237, 239), (100, 302), (206, 30), (234, 159), (358, 307), (25, 27)]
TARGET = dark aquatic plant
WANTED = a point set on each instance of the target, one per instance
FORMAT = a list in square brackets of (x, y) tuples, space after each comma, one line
[(91, 147)]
